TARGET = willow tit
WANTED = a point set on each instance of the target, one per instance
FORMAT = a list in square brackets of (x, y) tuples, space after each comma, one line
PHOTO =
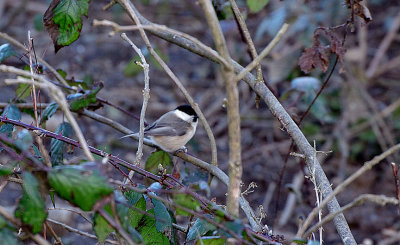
[(173, 130)]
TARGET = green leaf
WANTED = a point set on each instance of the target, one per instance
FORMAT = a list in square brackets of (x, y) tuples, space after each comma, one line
[(187, 201), (149, 232), (199, 228), (299, 241), (31, 208), (211, 241), (12, 112), (132, 69), (6, 50), (79, 101), (8, 237), (159, 157), (57, 146), (235, 226), (82, 188), (163, 56), (101, 227), (23, 91), (38, 154), (134, 214), (136, 200), (163, 219), (123, 213), (63, 22), (48, 112), (24, 139), (256, 6), (5, 170)]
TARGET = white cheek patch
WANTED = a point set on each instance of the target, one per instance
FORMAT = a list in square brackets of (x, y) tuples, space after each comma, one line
[(183, 115)]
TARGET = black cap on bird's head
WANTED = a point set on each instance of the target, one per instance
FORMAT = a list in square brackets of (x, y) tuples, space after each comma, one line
[(187, 109)]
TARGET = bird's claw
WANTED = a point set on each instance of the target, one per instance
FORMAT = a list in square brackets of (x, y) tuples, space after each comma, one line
[(183, 149)]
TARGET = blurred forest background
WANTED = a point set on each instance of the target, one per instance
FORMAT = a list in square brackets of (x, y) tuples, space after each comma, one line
[(356, 117)]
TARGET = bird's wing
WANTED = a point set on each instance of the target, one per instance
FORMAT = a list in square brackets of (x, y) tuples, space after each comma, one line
[(162, 127)]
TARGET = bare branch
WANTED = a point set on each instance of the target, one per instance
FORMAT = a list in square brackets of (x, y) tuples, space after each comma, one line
[(235, 158), (367, 166)]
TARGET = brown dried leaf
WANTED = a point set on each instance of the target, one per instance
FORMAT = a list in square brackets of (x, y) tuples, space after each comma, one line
[(336, 45), (361, 10), (314, 57)]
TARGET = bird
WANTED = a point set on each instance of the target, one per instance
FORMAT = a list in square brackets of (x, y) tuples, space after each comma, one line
[(172, 130)]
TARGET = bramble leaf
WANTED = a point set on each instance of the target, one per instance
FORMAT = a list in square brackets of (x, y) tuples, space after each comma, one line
[(31, 207), (57, 146), (82, 188), (63, 22)]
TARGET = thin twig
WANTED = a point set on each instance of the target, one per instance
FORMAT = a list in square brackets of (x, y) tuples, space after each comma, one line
[(367, 166), (146, 97), (383, 47), (47, 65), (116, 226), (379, 199), (263, 53), (82, 233), (36, 238), (58, 96)]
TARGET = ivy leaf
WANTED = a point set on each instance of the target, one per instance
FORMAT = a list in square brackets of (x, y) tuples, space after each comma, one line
[(12, 112), (57, 146), (256, 6), (199, 228), (159, 157), (163, 219), (6, 50), (48, 112), (187, 201), (31, 207), (149, 232), (63, 22), (80, 187), (88, 98)]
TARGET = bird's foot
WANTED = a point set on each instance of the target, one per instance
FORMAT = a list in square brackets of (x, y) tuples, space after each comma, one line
[(183, 149)]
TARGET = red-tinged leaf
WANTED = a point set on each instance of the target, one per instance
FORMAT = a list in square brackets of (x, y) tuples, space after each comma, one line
[(314, 57), (336, 45), (63, 22)]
